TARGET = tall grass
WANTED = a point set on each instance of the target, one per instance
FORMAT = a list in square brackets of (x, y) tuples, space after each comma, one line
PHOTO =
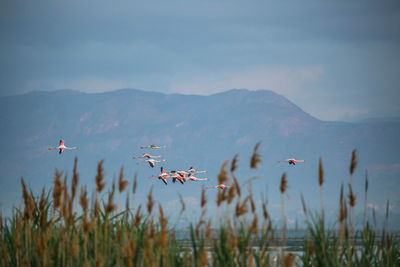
[(64, 227)]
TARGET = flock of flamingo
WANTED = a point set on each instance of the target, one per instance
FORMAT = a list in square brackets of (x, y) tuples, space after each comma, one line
[(181, 176)]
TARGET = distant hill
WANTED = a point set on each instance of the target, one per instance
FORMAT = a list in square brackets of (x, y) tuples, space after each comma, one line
[(200, 131)]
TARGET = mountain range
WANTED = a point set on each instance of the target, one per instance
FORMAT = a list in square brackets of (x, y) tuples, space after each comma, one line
[(199, 131)]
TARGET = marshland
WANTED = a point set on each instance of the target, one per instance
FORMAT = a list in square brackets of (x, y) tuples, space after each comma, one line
[(69, 226), (194, 83)]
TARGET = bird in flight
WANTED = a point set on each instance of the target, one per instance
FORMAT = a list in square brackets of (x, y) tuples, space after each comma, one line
[(176, 176), (148, 156), (151, 162), (182, 174), (220, 186), (292, 161), (152, 147), (192, 170), (163, 176), (61, 147), (192, 178)]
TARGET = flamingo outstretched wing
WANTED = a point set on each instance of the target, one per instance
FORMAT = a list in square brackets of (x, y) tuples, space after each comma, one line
[(180, 179), (192, 170), (163, 179), (293, 161), (152, 147), (220, 186), (61, 147), (211, 187), (147, 156)]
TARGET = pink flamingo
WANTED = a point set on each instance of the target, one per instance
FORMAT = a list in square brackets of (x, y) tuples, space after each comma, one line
[(163, 176), (220, 186), (151, 162), (292, 161), (183, 174), (192, 178), (192, 170), (61, 147), (176, 176), (148, 156), (152, 147)]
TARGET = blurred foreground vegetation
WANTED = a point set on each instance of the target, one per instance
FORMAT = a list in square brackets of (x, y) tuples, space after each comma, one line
[(64, 227)]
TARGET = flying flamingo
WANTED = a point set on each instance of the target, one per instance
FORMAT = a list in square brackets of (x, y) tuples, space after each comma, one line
[(151, 162), (182, 174), (61, 147), (220, 186), (176, 176), (292, 161), (148, 156), (192, 170), (163, 176), (152, 147), (192, 178)]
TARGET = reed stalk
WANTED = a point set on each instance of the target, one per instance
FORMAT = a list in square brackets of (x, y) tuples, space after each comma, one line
[(49, 230)]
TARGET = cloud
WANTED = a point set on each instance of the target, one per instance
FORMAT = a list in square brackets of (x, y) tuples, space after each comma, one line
[(333, 59)]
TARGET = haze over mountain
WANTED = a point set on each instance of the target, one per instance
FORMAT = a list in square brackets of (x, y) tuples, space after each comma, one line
[(199, 131)]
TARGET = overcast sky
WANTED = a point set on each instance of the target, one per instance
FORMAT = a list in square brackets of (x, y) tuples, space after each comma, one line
[(338, 60)]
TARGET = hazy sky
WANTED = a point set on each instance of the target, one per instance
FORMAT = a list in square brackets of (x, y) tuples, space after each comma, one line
[(335, 59)]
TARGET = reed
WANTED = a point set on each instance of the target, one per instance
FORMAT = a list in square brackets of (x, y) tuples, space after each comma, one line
[(49, 230), (320, 183), (122, 184), (255, 157)]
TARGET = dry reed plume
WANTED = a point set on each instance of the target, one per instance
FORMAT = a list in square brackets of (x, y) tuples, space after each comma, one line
[(99, 177), (150, 201), (320, 173), (283, 185), (122, 184), (234, 163), (354, 161), (256, 157)]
